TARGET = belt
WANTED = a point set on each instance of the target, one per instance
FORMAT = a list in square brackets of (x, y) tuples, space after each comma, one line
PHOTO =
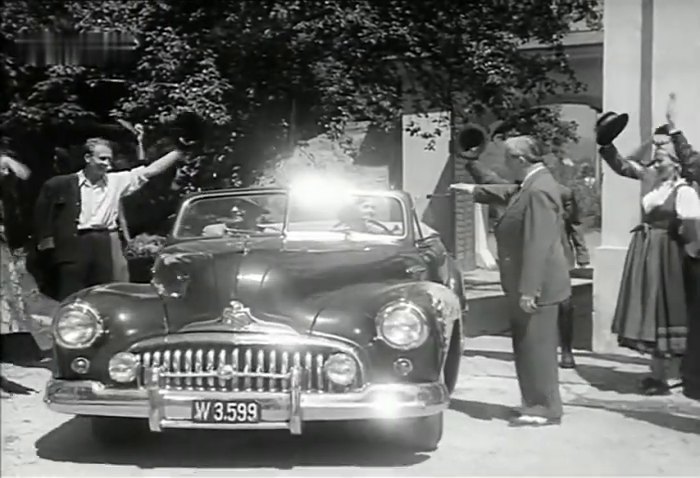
[(96, 230)]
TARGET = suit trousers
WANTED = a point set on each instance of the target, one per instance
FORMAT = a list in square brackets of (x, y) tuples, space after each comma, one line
[(535, 343), (94, 265)]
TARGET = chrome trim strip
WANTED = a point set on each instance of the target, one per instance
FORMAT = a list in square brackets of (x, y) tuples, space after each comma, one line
[(172, 409)]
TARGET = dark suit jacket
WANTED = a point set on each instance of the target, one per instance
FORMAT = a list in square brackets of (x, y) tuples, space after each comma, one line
[(688, 156), (56, 216), (484, 175), (529, 238)]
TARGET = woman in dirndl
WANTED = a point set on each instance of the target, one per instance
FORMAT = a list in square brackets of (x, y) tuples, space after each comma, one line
[(651, 315)]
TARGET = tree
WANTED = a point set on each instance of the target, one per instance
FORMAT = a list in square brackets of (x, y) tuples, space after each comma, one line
[(251, 68)]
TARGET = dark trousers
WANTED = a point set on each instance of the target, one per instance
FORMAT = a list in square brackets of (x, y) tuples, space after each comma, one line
[(93, 266), (535, 343), (566, 325), (690, 367), (574, 233)]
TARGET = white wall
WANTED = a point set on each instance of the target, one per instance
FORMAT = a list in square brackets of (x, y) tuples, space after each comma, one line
[(422, 168), (652, 47)]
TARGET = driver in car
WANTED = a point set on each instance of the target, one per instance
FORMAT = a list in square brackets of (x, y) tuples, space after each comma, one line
[(244, 215), (360, 216)]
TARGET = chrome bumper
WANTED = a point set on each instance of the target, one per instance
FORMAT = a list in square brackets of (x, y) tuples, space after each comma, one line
[(279, 410)]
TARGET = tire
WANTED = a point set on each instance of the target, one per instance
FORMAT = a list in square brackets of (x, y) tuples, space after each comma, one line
[(117, 431), (422, 434), (452, 362)]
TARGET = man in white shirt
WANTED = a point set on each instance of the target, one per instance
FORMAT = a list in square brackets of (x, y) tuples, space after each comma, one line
[(76, 216)]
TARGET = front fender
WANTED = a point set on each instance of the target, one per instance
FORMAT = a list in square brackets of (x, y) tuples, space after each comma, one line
[(350, 313), (130, 312)]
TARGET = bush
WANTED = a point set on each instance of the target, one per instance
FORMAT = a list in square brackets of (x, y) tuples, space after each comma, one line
[(144, 245)]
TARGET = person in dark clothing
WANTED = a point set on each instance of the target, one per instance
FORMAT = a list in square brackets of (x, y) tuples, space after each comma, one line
[(655, 299), (12, 312), (534, 275), (689, 159), (76, 215), (483, 175)]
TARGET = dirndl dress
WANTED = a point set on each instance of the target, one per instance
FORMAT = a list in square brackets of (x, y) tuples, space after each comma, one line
[(651, 313)]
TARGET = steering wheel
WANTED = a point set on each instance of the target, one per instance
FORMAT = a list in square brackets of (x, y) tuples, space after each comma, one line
[(374, 222), (368, 221)]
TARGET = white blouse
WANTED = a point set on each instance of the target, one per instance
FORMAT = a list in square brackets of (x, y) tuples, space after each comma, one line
[(687, 199)]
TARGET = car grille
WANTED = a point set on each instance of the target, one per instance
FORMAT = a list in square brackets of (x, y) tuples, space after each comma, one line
[(250, 360)]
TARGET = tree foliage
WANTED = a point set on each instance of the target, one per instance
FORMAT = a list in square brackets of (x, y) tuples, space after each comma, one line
[(258, 71)]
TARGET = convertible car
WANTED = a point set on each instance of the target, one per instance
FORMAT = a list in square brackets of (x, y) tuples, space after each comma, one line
[(270, 309)]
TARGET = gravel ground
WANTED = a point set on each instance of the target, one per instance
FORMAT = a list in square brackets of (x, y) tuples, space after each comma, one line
[(608, 430)]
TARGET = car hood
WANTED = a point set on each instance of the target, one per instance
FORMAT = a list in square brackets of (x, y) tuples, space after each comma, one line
[(284, 282)]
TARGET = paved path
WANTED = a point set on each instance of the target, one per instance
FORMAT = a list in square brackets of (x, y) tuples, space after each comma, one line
[(608, 429)]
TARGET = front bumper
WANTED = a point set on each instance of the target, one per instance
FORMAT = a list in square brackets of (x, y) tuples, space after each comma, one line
[(165, 408)]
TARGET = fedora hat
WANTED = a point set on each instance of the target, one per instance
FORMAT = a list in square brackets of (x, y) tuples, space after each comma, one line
[(609, 126), (471, 136)]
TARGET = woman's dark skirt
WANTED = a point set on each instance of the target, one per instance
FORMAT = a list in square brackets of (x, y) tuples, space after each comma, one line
[(651, 311), (690, 368)]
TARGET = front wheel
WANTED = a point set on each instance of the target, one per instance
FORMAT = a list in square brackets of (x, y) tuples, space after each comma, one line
[(422, 434)]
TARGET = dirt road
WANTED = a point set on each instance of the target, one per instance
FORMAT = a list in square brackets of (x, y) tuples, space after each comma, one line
[(608, 429)]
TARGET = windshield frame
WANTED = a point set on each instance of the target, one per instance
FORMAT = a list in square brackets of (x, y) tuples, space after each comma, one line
[(362, 237)]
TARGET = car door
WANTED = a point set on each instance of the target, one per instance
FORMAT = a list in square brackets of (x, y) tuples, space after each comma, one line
[(432, 251)]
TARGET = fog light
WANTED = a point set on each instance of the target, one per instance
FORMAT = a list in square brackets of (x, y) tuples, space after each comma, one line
[(123, 367), (80, 365), (403, 366), (341, 369)]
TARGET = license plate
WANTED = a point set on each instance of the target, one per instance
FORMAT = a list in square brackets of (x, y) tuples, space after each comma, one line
[(225, 411)]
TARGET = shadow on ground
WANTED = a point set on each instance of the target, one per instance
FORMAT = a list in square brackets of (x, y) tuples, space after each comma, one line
[(481, 410), (21, 349), (608, 379), (322, 445), (491, 354), (683, 418)]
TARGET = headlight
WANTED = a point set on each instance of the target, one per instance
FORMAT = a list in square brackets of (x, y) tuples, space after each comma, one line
[(77, 326), (402, 325), (341, 369), (123, 367)]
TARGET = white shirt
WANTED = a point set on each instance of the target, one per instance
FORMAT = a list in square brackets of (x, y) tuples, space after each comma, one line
[(100, 202), (687, 200)]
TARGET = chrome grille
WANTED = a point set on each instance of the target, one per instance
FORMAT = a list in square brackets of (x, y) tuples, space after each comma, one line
[(259, 362)]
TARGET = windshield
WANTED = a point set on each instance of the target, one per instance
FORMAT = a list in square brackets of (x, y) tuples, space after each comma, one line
[(364, 214)]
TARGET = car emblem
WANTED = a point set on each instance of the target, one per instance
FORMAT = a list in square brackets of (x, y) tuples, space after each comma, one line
[(237, 315), (239, 318)]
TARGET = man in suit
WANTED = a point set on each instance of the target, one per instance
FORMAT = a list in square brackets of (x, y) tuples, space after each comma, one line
[(76, 215), (534, 274), (483, 175)]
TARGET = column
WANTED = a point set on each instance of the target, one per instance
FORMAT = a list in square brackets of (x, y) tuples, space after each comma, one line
[(647, 55), (626, 88)]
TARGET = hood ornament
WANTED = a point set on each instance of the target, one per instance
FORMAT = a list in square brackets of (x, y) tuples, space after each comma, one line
[(238, 317)]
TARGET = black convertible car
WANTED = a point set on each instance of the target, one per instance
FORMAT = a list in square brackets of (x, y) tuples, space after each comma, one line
[(268, 309)]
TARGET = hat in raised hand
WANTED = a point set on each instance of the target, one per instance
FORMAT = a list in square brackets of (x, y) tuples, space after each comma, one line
[(609, 126)]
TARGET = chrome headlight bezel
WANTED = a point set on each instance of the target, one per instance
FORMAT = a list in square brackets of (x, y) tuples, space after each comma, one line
[(123, 364), (406, 308), (333, 376), (87, 310)]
